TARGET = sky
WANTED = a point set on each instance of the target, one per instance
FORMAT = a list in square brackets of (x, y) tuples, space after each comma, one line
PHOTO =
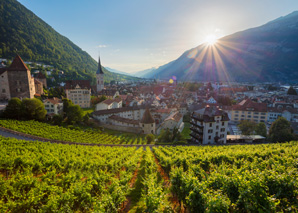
[(134, 35)]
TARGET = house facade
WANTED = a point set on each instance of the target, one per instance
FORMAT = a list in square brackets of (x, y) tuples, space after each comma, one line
[(209, 126), (79, 96)]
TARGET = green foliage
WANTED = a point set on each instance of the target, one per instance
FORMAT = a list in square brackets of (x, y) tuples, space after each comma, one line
[(166, 136), (291, 91), (35, 40), (259, 178), (33, 109), (150, 138), (74, 114), (281, 131), (261, 129), (13, 109), (45, 177), (247, 127), (72, 134)]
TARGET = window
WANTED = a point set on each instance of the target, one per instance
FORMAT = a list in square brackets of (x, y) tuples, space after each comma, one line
[(262, 117), (222, 129), (248, 112), (249, 116), (209, 137), (263, 113), (256, 116), (222, 123), (216, 127), (210, 131), (222, 135), (210, 125), (3, 90)]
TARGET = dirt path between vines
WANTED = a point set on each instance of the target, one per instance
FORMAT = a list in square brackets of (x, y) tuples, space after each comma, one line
[(126, 206), (174, 200)]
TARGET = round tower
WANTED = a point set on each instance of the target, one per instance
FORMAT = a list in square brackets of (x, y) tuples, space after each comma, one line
[(147, 123)]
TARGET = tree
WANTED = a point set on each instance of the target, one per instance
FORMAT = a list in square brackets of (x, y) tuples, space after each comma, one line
[(291, 91), (150, 138), (247, 127), (66, 104), (74, 114), (13, 109), (261, 129), (281, 131), (33, 109)]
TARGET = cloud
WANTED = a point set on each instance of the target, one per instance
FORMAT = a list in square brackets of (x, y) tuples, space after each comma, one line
[(101, 46)]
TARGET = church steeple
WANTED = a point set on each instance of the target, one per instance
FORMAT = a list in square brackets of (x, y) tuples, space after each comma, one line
[(99, 77), (99, 69)]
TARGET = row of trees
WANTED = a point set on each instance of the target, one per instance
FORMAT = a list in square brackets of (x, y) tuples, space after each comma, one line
[(27, 109), (34, 109), (280, 130)]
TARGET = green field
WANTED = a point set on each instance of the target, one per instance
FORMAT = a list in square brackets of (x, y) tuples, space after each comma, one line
[(45, 177), (77, 135)]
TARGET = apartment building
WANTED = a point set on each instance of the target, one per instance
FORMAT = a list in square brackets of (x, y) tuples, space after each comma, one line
[(79, 96), (209, 126), (249, 110)]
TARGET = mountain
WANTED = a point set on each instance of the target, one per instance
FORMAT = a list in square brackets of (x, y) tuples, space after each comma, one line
[(22, 32), (143, 73), (267, 53), (117, 71)]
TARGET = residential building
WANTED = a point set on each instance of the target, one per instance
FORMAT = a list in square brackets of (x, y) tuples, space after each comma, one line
[(175, 120), (209, 126), (249, 110), (109, 104), (53, 106), (79, 96)]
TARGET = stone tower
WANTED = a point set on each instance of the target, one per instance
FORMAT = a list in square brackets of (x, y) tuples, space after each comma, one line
[(99, 77), (147, 123), (21, 84)]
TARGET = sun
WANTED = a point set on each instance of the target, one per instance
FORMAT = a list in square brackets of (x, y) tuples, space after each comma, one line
[(211, 39)]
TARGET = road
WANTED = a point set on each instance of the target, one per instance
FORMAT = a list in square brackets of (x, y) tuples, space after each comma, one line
[(11, 135)]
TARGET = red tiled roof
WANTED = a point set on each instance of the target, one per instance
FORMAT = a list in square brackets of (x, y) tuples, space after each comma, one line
[(107, 101), (147, 117), (71, 84), (40, 76), (18, 64), (249, 105), (53, 100), (124, 120)]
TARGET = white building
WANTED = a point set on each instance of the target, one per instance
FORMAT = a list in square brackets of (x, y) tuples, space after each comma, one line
[(172, 121), (53, 106), (109, 104), (79, 96), (209, 126)]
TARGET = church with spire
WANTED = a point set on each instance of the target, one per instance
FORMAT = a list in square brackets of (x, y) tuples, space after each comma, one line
[(99, 78)]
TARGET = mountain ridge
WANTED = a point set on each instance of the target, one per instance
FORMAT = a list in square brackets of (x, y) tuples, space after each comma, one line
[(23, 32), (256, 54)]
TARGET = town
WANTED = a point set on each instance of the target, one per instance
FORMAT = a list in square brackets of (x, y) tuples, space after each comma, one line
[(208, 112)]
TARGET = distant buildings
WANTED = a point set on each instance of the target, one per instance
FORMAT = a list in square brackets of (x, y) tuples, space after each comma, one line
[(209, 126)]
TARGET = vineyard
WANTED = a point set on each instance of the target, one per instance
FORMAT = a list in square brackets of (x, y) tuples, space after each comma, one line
[(48, 131), (252, 178), (45, 177), (54, 178)]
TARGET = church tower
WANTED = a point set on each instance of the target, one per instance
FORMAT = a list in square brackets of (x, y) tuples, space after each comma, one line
[(99, 78)]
